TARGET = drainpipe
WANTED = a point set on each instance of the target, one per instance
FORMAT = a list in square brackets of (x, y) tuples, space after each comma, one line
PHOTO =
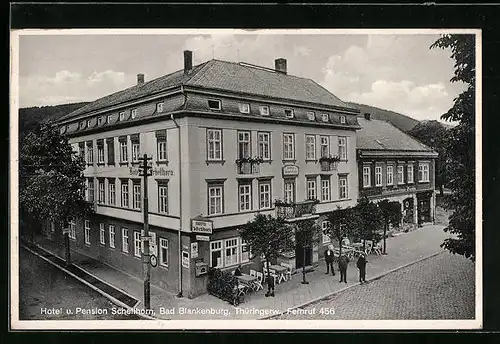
[(179, 248)]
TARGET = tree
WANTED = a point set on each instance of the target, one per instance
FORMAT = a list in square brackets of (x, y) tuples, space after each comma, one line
[(267, 236), (391, 215), (307, 234), (339, 224), (460, 146), (366, 220), (51, 182), (434, 135)]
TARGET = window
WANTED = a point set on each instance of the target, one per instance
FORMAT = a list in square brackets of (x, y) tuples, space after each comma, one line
[(109, 118), (82, 124), (159, 107), (288, 146), (101, 192), (244, 108), (264, 110), (137, 244), (161, 145), (289, 191), (343, 148), (72, 229), (125, 194), (125, 240), (134, 113), (110, 142), (100, 153), (245, 196), (265, 195), (245, 251), (288, 113), (378, 176), (136, 148), (409, 173), (215, 199), (162, 198), (311, 116), (366, 176), (231, 256), (112, 236), (214, 142), (311, 188), (86, 232), (123, 150), (342, 119), (102, 234), (310, 147), (81, 149), (214, 104), (264, 145), (244, 144), (136, 196), (401, 174), (122, 116), (90, 153), (324, 228), (423, 172), (325, 189), (343, 191), (100, 120), (390, 175), (216, 254), (111, 192), (90, 189), (324, 117), (89, 122), (324, 146), (163, 252)]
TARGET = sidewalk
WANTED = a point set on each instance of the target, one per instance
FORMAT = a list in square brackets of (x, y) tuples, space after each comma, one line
[(402, 250)]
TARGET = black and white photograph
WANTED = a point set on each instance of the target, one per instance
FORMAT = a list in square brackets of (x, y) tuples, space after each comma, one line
[(223, 178)]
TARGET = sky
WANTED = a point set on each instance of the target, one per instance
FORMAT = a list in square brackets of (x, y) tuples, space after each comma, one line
[(397, 72)]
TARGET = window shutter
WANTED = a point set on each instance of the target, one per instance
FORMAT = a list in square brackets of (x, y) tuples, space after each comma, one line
[(111, 151)]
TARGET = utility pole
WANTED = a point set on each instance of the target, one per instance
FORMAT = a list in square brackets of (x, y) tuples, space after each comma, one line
[(145, 172)]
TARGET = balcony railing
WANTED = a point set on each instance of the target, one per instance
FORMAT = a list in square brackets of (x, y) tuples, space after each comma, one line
[(295, 210), (248, 167)]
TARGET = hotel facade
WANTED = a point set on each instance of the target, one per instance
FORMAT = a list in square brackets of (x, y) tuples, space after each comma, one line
[(227, 140)]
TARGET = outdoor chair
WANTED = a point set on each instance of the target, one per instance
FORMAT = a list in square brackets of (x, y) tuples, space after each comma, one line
[(258, 283), (368, 246), (288, 273), (346, 242), (377, 249), (272, 274), (253, 273)]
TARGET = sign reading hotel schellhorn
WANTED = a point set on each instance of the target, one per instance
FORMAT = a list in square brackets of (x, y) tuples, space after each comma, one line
[(157, 171), (200, 225), (290, 170)]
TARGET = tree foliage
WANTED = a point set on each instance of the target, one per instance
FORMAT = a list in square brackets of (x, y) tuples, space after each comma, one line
[(307, 234), (391, 215), (460, 146), (367, 220), (340, 224), (51, 182)]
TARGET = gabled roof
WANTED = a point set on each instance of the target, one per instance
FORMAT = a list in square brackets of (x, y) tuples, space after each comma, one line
[(230, 77), (381, 135)]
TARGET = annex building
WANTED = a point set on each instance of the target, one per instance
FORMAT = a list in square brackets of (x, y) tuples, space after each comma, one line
[(227, 140)]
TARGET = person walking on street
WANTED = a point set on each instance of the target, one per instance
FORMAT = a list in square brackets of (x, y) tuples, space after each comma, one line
[(361, 264), (329, 257), (343, 263), (270, 286)]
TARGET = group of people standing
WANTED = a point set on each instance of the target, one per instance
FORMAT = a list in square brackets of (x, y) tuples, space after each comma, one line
[(343, 263)]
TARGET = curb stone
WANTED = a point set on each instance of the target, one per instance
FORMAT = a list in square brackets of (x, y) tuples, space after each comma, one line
[(327, 296)]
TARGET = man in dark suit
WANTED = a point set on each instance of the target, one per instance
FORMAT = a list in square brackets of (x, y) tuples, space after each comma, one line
[(343, 263), (329, 257), (361, 264)]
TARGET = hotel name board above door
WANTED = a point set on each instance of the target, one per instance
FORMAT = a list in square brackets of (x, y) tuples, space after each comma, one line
[(201, 226), (157, 171), (290, 170)]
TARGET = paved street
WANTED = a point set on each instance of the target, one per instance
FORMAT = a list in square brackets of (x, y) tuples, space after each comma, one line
[(44, 289), (441, 287)]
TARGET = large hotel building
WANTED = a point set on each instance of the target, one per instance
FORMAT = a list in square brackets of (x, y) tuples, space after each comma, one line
[(227, 140)]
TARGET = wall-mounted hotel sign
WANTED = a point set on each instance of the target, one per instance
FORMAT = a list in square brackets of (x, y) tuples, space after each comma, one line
[(157, 171), (290, 170), (201, 225)]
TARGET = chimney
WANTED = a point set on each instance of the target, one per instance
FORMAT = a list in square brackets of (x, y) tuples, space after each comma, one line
[(280, 65), (140, 79), (188, 61), (367, 116)]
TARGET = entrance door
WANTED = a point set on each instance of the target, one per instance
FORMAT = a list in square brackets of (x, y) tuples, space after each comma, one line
[(424, 210), (408, 210), (299, 257)]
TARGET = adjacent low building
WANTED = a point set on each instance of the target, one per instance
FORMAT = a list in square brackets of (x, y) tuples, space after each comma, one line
[(227, 140), (393, 165)]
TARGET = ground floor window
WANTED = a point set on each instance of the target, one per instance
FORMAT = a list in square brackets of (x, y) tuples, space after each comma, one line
[(102, 234), (87, 232), (137, 244), (112, 236), (216, 254), (324, 228), (72, 229), (229, 252), (163, 252), (245, 251), (125, 240)]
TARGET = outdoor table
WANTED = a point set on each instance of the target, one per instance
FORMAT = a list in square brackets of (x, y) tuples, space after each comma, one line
[(247, 280), (280, 271)]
